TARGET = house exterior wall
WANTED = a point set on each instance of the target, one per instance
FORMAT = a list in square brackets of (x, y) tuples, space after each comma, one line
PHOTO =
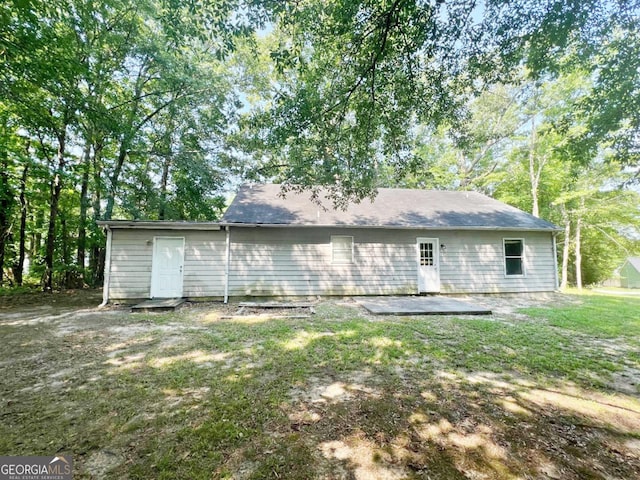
[(474, 262), (298, 261), (132, 255), (629, 276)]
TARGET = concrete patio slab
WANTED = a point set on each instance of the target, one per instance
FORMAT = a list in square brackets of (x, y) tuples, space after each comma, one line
[(158, 305), (431, 305)]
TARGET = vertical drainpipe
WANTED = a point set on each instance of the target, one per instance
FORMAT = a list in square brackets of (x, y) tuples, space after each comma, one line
[(555, 259), (107, 269), (226, 267)]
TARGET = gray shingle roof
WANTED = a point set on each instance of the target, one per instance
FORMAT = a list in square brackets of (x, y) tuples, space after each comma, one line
[(391, 208)]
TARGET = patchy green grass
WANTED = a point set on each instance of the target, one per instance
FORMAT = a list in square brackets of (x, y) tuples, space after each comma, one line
[(340, 394), (597, 315)]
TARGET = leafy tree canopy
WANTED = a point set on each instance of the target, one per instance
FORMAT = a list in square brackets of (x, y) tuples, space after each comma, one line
[(156, 108), (357, 74)]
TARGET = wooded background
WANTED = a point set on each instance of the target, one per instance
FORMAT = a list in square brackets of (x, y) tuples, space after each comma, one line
[(157, 109)]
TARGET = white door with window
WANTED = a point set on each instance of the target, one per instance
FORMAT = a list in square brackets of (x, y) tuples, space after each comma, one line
[(166, 267), (428, 265)]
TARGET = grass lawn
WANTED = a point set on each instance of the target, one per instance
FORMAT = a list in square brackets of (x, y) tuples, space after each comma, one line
[(548, 391)]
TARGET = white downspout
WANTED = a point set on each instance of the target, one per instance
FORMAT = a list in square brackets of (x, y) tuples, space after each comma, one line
[(107, 269), (226, 266), (555, 260)]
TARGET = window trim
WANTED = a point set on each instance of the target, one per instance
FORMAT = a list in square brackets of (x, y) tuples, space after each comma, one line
[(334, 261), (522, 258)]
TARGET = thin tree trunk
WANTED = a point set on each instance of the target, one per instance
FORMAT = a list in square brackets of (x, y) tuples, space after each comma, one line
[(97, 181), (129, 136), (96, 262), (5, 202), (4, 214), (18, 271), (6, 195), (36, 241), (163, 188), (125, 140), (56, 189), (84, 205), (578, 254), (533, 175), (565, 249), (66, 260), (115, 179), (166, 165), (99, 253)]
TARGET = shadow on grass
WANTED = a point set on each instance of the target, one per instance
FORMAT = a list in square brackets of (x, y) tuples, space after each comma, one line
[(336, 396)]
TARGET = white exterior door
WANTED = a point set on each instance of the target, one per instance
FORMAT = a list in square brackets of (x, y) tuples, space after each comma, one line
[(428, 265), (166, 268)]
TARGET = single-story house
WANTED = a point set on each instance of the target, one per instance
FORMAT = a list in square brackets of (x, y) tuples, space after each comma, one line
[(630, 273), (268, 244)]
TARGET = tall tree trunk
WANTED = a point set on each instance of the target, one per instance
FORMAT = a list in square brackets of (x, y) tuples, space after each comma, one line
[(6, 197), (166, 165), (84, 205), (18, 271), (578, 253), (126, 139), (96, 262), (66, 260), (5, 202), (163, 187), (534, 176), (56, 189), (565, 249), (36, 240), (115, 178)]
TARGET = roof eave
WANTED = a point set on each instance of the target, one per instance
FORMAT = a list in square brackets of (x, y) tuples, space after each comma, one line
[(392, 227), (158, 225)]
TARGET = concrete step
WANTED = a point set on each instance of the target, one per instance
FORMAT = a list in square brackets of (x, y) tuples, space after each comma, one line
[(158, 305)]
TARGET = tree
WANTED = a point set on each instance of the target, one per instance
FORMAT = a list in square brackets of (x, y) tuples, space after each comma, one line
[(353, 83), (469, 155), (95, 77), (7, 152), (583, 195), (600, 216), (120, 109)]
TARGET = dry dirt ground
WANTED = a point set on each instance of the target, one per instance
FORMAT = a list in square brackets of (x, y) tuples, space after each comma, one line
[(212, 391)]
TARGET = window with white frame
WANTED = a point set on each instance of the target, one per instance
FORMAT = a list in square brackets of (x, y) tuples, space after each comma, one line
[(341, 249), (513, 256)]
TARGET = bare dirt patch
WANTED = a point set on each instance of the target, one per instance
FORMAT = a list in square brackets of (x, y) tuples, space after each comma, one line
[(508, 304), (36, 303)]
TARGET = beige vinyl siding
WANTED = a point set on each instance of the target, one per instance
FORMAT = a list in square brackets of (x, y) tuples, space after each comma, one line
[(298, 261), (132, 255), (474, 263)]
